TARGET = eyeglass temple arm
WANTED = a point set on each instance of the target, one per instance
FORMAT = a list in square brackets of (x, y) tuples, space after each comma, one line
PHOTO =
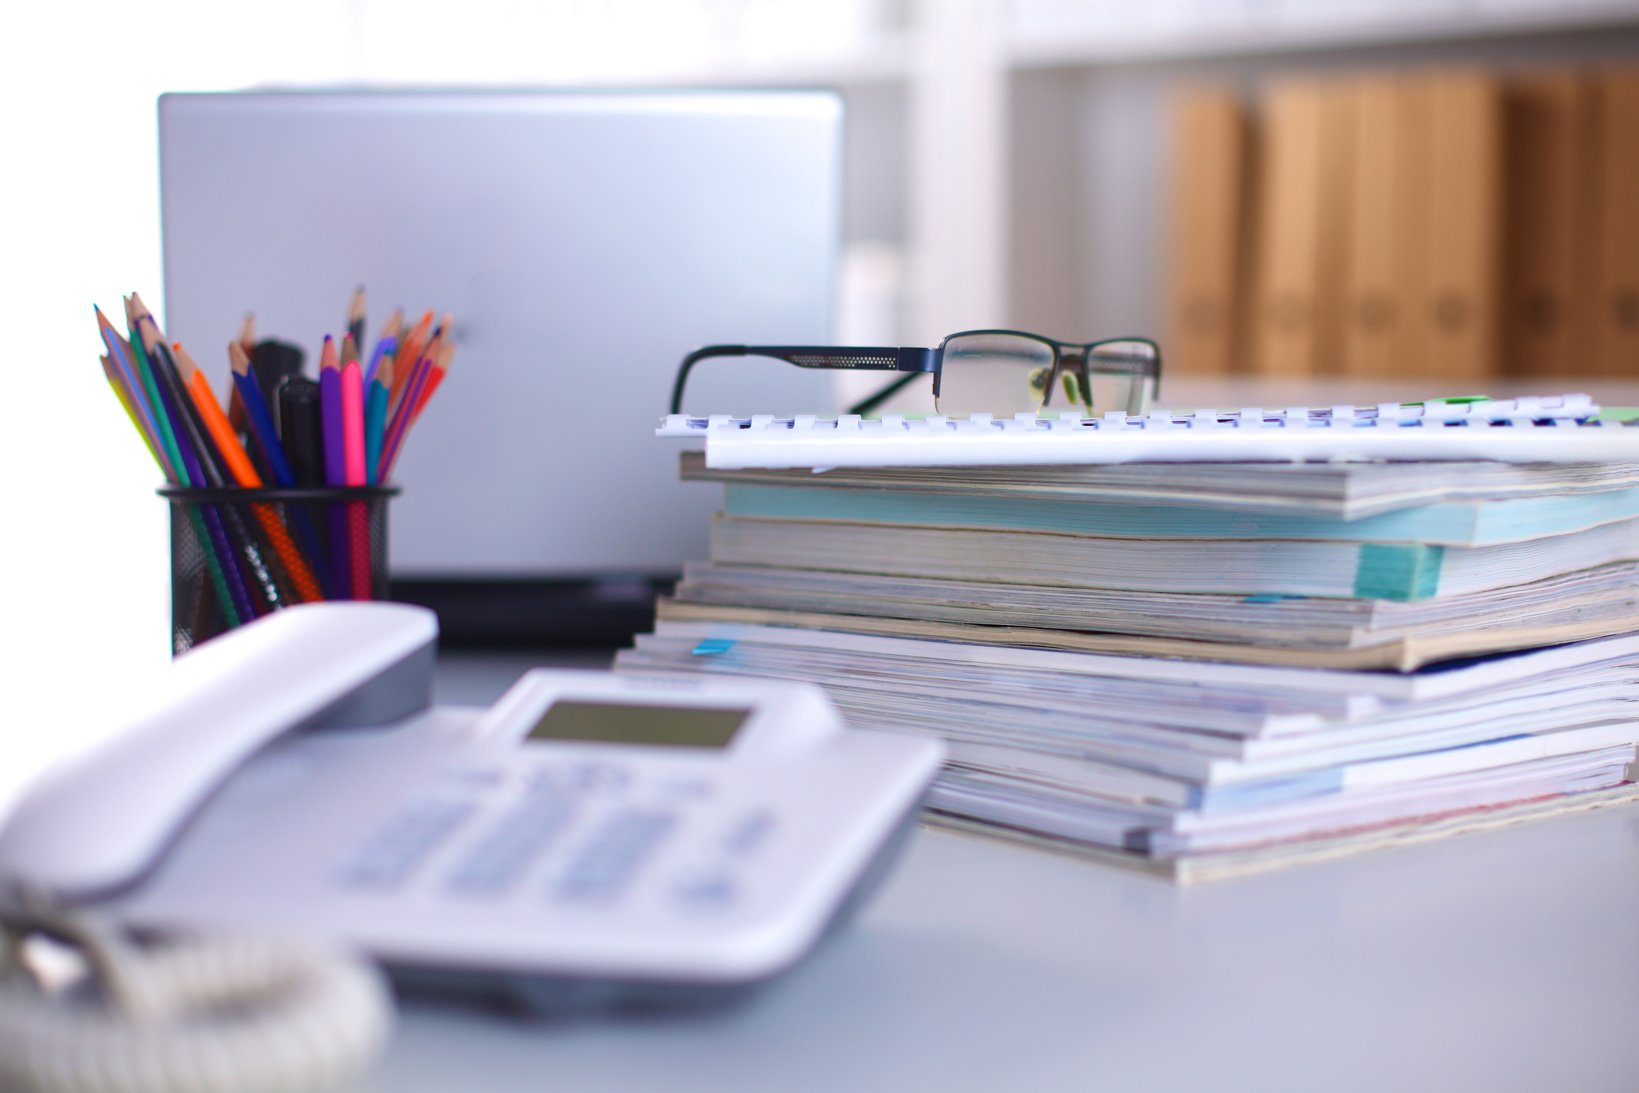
[(893, 387), (688, 364), (867, 358)]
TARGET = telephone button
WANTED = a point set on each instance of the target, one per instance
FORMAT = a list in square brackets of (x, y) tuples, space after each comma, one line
[(706, 891), (606, 864), (598, 777), (749, 833)]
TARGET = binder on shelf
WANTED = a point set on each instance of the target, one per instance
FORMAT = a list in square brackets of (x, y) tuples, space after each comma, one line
[(1382, 236), (1617, 296), (1336, 200), (1288, 229), (1549, 317), (1208, 232), (1457, 322)]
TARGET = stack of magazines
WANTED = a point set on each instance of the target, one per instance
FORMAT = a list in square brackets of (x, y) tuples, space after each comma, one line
[(1197, 668)]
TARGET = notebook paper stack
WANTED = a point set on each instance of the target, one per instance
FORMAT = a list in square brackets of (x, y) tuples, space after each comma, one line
[(1201, 668)]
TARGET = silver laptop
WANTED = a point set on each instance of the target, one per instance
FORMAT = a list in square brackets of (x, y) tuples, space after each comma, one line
[(584, 242)]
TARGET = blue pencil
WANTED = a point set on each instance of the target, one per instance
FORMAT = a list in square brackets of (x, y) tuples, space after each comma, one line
[(384, 349), (256, 414)]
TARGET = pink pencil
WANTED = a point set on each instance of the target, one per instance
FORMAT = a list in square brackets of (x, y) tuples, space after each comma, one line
[(352, 423), (352, 446)]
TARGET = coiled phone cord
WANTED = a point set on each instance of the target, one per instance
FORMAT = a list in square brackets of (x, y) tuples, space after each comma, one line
[(207, 1014)]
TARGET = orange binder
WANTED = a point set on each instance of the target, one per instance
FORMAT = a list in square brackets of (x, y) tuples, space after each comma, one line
[(1206, 232), (1617, 295), (1333, 209), (1385, 232), (1288, 229), (1549, 316), (1456, 324)]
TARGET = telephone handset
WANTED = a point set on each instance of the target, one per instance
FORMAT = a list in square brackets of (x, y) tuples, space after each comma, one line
[(592, 838), (101, 823), (227, 1009)]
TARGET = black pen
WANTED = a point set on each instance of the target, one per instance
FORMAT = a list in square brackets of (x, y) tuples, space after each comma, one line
[(300, 429)]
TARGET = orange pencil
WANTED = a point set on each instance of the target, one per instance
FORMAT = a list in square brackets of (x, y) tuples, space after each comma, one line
[(409, 354), (441, 365), (244, 473), (210, 410)]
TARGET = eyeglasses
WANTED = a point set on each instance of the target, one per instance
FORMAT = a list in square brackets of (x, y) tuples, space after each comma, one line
[(1001, 372)]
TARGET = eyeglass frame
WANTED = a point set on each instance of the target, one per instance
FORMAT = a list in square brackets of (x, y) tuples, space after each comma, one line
[(918, 361)]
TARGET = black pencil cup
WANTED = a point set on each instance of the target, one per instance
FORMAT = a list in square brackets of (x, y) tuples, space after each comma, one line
[(239, 554)]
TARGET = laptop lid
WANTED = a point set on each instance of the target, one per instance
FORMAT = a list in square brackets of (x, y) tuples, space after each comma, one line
[(584, 242)]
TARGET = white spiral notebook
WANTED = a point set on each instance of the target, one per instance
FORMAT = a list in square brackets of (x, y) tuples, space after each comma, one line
[(1550, 429)]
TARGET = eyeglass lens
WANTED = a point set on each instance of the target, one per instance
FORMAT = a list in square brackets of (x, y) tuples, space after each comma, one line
[(1005, 374)]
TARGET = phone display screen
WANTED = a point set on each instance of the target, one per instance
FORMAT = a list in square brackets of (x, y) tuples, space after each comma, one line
[(618, 723)]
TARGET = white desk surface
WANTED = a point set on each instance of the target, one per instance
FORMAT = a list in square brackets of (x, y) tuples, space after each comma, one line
[(1499, 961)]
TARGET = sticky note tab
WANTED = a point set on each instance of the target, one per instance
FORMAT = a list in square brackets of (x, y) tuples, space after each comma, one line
[(710, 646)]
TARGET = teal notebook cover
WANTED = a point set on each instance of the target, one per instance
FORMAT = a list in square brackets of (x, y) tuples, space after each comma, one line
[(1449, 523)]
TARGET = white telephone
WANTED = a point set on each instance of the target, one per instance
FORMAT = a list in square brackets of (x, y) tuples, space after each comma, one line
[(591, 838)]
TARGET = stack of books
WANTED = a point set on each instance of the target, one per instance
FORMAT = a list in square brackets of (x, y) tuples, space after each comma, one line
[(1200, 669)]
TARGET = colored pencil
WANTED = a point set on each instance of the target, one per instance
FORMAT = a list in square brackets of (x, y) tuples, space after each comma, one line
[(192, 433), (113, 377), (352, 410), (210, 530), (440, 366), (409, 352), (162, 420), (146, 413), (383, 352), (243, 564), (213, 531), (386, 342), (355, 317), (258, 419), (352, 422), (133, 389), (375, 419), (361, 415), (144, 371), (399, 423), (340, 561), (234, 457), (244, 473), (247, 342), (335, 457)]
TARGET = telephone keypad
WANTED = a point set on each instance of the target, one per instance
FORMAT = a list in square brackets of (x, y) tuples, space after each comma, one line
[(521, 835), (397, 850), (586, 830)]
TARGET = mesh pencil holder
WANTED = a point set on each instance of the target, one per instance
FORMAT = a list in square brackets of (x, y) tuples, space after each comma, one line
[(239, 554)]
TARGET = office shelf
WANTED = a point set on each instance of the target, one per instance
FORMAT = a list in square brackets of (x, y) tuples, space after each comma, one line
[(1207, 30)]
